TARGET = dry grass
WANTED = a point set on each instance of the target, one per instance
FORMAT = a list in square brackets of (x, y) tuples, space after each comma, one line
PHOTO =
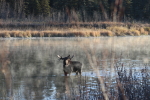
[(80, 30), (56, 33), (133, 31), (106, 33), (119, 31)]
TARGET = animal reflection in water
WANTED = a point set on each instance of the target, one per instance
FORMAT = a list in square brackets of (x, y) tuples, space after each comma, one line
[(70, 66)]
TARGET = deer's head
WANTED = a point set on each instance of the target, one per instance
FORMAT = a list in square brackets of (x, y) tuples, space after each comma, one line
[(66, 60)]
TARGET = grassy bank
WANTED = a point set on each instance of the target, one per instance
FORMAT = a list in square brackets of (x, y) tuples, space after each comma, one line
[(73, 29)]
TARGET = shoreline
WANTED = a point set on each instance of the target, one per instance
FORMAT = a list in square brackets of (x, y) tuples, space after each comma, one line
[(84, 33), (101, 37), (99, 29)]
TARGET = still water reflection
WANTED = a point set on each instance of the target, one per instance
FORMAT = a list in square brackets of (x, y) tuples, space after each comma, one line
[(30, 69)]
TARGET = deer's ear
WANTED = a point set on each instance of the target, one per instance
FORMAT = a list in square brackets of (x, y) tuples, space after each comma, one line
[(72, 57), (59, 56), (68, 56)]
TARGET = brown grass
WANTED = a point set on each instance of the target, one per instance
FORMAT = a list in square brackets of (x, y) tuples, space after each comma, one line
[(106, 33), (111, 30), (135, 32), (119, 31)]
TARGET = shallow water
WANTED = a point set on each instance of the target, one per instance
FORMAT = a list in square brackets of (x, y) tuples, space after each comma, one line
[(30, 69)]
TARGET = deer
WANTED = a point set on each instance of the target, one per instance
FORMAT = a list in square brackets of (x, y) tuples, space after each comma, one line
[(70, 66)]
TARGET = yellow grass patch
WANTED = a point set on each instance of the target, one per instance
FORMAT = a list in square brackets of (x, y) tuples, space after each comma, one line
[(106, 33), (94, 33), (119, 31), (135, 32), (28, 33), (78, 32), (147, 29)]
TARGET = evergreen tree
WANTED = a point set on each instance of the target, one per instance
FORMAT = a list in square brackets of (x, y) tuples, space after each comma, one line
[(128, 9), (45, 7), (37, 8), (137, 9), (82, 9), (147, 10), (26, 7)]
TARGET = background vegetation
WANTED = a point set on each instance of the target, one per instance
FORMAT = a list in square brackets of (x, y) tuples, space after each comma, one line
[(51, 18), (76, 10)]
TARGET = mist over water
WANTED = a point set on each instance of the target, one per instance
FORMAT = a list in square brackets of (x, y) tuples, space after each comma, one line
[(30, 69)]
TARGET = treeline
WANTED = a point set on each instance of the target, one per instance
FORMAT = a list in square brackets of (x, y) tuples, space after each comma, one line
[(76, 10)]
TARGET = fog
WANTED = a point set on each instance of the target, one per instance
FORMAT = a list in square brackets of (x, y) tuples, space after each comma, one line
[(30, 69)]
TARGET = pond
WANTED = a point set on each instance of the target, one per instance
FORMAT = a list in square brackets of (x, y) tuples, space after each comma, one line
[(30, 69)]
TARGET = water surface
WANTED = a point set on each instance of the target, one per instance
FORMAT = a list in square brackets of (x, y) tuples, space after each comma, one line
[(30, 69)]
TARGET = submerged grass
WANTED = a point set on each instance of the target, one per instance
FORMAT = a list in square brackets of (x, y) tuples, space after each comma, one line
[(126, 85), (123, 82)]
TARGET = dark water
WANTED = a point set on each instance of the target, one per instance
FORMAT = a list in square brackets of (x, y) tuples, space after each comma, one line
[(30, 69)]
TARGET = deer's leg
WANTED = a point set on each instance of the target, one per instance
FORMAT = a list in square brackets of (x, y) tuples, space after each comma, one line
[(65, 73), (76, 72), (80, 72)]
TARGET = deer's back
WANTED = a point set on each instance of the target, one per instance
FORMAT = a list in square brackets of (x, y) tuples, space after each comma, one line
[(76, 64)]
